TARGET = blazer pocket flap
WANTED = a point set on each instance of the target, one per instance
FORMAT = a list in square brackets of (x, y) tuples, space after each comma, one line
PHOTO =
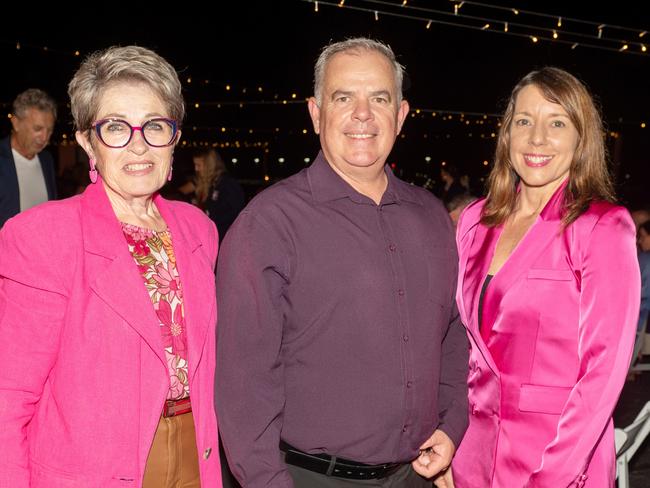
[(543, 399), (550, 274)]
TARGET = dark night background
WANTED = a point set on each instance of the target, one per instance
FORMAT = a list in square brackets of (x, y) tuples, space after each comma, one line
[(272, 45)]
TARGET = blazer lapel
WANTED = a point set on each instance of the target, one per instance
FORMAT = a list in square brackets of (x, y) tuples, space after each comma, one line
[(197, 282), (477, 255), (116, 278), (8, 180), (540, 235), (476, 248)]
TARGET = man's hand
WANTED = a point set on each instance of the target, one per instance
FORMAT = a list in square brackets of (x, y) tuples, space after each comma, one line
[(435, 455)]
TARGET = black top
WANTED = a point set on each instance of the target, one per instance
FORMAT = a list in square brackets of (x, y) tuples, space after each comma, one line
[(225, 200), (488, 278)]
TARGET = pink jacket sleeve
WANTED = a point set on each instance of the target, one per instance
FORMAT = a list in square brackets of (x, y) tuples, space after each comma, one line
[(609, 306), (32, 306)]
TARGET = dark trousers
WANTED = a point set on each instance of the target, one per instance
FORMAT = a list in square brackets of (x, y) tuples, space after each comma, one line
[(227, 478), (404, 477)]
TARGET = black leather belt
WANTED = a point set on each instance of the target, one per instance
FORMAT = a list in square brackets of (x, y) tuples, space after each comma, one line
[(333, 466)]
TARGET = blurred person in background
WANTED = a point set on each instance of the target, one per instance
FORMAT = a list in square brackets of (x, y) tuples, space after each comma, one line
[(457, 204), (451, 186), (27, 175), (217, 193)]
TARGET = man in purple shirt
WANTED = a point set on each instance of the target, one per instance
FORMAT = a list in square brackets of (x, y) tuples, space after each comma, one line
[(341, 359)]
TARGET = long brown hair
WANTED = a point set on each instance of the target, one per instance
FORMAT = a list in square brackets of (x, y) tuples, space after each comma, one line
[(213, 169), (589, 177)]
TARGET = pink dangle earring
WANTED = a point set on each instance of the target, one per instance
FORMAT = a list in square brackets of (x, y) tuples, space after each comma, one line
[(171, 169), (93, 171)]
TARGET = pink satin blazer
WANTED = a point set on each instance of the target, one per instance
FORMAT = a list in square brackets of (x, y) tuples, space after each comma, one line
[(84, 376), (561, 316)]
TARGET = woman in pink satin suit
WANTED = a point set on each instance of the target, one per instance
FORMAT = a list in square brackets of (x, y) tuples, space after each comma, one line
[(549, 292)]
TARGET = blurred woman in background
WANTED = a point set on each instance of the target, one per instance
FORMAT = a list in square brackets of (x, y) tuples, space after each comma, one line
[(217, 193)]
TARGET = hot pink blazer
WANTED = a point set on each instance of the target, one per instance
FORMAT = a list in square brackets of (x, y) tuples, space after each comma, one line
[(562, 313), (83, 375)]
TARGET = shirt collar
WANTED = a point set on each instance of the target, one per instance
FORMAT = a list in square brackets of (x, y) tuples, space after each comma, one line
[(327, 185)]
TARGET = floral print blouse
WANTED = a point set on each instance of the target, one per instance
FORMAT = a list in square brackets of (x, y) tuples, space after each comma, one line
[(154, 255)]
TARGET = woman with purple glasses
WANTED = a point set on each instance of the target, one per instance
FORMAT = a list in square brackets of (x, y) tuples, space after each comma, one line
[(107, 303)]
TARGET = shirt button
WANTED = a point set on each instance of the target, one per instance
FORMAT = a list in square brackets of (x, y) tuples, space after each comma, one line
[(392, 247), (405, 337), (404, 429), (400, 293), (409, 384)]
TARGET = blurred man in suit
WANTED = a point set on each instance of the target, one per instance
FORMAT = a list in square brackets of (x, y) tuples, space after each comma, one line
[(26, 170)]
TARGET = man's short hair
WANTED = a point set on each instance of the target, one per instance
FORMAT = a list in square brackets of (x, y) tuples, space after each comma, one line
[(460, 201), (33, 98), (355, 45)]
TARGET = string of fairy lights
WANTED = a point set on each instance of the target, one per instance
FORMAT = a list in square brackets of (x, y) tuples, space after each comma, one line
[(479, 126), (447, 124), (432, 123), (533, 26), (474, 15)]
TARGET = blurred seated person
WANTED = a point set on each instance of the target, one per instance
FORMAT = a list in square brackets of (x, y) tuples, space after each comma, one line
[(466, 183), (639, 216), (457, 204), (215, 191), (643, 237), (643, 240), (451, 183)]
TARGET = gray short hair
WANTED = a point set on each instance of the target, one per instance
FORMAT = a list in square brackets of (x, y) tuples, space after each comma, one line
[(460, 201), (351, 45), (122, 64), (33, 98)]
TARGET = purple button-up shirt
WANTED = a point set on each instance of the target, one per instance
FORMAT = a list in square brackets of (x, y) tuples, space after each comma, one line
[(338, 330)]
